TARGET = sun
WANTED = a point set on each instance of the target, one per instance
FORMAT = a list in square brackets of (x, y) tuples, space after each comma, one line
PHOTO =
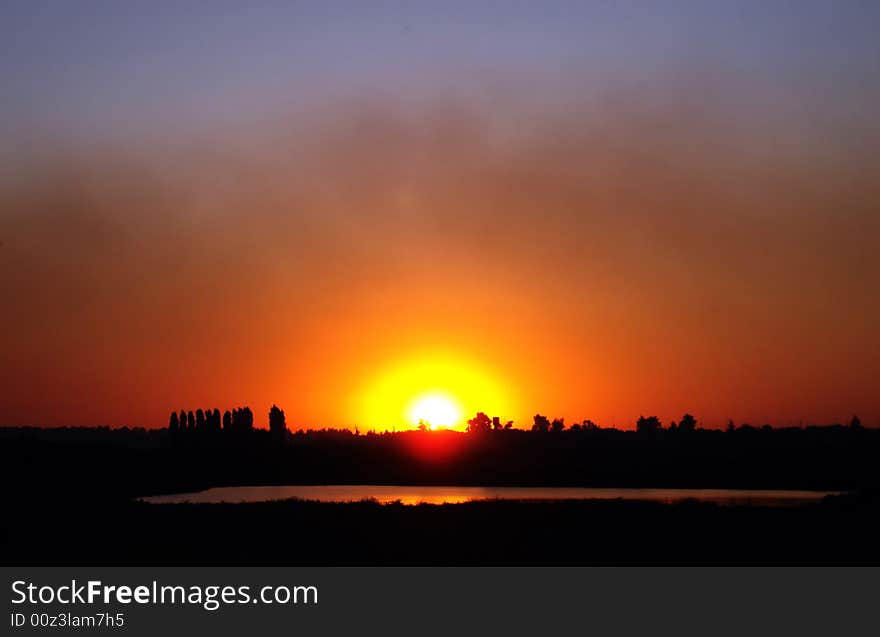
[(442, 388), (435, 409)]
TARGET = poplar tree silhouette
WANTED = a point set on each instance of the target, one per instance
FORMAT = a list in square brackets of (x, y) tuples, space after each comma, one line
[(242, 419), (277, 422)]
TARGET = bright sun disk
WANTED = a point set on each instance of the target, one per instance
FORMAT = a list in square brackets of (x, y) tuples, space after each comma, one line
[(436, 410), (441, 388)]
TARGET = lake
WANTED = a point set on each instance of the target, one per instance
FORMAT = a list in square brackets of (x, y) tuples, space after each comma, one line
[(454, 495)]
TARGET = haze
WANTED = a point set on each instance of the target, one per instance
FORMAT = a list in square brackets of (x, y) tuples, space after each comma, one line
[(605, 210)]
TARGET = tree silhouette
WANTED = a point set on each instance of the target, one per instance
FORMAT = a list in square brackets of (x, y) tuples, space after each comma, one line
[(248, 418), (242, 419), (423, 426), (856, 422), (688, 423), (200, 420), (541, 423), (480, 422), (277, 422), (227, 420), (190, 421), (498, 426), (649, 424), (558, 424), (173, 423)]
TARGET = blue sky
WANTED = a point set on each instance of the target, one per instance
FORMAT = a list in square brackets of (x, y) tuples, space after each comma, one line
[(88, 66)]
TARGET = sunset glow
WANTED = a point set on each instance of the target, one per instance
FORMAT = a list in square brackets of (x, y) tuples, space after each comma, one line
[(435, 410), (344, 208), (441, 389)]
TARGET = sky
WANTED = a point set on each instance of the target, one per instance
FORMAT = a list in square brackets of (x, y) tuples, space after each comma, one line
[(586, 210)]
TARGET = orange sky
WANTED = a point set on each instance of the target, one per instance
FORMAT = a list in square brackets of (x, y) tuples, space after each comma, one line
[(648, 253)]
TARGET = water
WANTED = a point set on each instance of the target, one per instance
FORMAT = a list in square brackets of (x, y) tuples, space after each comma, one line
[(454, 495)]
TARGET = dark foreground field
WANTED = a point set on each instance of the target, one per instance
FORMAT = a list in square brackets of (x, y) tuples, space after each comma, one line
[(69, 496), (840, 529)]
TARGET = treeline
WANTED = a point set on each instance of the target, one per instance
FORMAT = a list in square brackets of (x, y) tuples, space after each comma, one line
[(645, 424), (130, 462), (238, 420), (242, 420)]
